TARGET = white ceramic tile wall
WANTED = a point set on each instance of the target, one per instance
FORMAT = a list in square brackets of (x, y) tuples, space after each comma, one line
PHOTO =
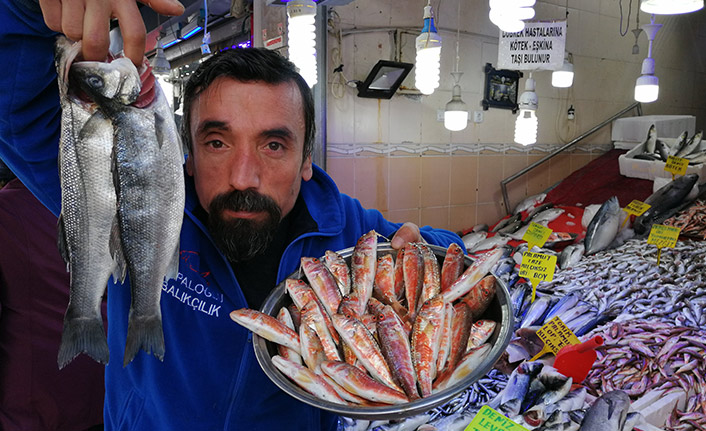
[(605, 74)]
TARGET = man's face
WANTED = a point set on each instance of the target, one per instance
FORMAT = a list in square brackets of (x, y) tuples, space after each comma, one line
[(247, 160)]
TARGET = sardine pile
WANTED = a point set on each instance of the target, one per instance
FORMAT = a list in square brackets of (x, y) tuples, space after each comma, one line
[(639, 356), (400, 329), (627, 284), (691, 221)]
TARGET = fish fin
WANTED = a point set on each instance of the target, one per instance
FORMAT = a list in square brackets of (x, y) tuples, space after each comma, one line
[(114, 170), (116, 251), (61, 241), (159, 125), (173, 268), (83, 335), (144, 333)]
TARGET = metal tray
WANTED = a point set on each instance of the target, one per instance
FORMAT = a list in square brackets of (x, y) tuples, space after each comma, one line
[(499, 310)]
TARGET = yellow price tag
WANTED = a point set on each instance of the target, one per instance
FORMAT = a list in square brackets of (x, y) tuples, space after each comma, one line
[(637, 208), (555, 335), (536, 234), (663, 236), (676, 165), (487, 419), (537, 267)]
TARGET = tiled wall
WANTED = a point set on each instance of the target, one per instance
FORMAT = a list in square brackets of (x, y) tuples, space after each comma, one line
[(396, 156)]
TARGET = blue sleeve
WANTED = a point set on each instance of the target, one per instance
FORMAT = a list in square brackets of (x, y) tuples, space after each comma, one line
[(30, 116)]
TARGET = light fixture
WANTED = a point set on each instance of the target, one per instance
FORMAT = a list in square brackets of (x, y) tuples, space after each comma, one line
[(564, 77), (301, 34), (526, 124), (636, 47), (510, 15), (205, 48), (671, 7), (456, 112), (384, 79), (427, 63), (647, 85), (160, 64)]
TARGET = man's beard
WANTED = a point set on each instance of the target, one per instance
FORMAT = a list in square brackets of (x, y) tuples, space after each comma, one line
[(242, 239)]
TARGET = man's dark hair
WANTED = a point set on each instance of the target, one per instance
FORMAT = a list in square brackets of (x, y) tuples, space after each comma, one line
[(248, 65)]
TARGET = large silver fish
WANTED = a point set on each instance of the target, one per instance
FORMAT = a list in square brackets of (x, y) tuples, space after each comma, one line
[(664, 199), (150, 187), (603, 227), (692, 145), (651, 142), (88, 212), (608, 413)]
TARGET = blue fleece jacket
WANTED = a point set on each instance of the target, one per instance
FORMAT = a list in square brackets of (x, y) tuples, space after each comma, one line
[(210, 379)]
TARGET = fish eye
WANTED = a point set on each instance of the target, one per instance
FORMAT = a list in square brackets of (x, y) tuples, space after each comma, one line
[(95, 81)]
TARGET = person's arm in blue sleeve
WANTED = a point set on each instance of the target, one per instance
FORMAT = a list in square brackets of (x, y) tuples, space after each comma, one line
[(30, 117)]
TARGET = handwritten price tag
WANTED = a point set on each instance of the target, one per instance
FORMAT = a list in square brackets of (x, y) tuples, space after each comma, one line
[(488, 419), (637, 208), (676, 165), (663, 236), (537, 267), (555, 335), (536, 234)]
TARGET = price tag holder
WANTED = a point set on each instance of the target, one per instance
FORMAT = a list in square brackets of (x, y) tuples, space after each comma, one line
[(663, 236), (555, 335), (536, 234), (676, 165), (487, 419), (537, 267)]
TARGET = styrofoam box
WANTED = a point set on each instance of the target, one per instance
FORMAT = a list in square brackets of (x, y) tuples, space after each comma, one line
[(651, 169), (634, 129)]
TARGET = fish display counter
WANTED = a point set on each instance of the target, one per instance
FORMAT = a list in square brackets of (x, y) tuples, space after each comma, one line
[(645, 305)]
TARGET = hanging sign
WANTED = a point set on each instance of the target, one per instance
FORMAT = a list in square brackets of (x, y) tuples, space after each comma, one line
[(540, 46)]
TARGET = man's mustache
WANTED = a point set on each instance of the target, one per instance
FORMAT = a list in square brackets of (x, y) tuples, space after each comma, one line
[(244, 200)]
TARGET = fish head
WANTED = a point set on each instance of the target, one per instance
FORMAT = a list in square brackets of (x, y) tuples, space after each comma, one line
[(116, 81)]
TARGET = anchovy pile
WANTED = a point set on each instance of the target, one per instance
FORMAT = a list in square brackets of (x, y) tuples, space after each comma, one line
[(627, 284), (639, 356)]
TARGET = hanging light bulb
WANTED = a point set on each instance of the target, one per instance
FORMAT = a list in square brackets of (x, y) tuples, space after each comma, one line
[(671, 7), (564, 77), (456, 113), (510, 15), (301, 33), (160, 64), (647, 85), (526, 124), (427, 63)]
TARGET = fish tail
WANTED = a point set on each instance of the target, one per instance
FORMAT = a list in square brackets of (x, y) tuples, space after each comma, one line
[(144, 332), (83, 335)]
